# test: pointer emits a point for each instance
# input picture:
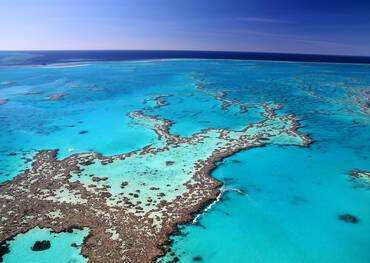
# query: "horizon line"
(187, 50)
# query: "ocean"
(280, 203)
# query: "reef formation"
(360, 178)
(132, 202)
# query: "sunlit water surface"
(294, 194)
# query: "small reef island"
(129, 204)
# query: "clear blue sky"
(293, 26)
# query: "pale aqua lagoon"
(64, 247)
(295, 195)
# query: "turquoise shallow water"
(64, 247)
(290, 213)
(295, 194)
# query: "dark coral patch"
(83, 132)
(74, 245)
(169, 163)
(124, 184)
(4, 249)
(41, 245)
(349, 218)
(197, 258)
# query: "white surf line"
(218, 199)
(236, 190)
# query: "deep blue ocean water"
(50, 57)
(295, 194)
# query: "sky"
(285, 26)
